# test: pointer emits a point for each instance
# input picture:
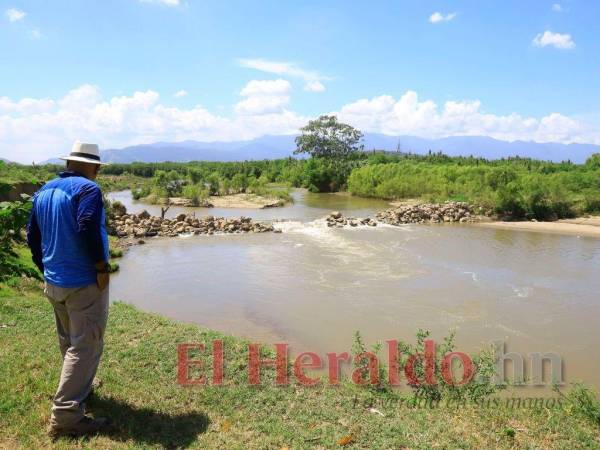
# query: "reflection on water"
(314, 286)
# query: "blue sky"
(109, 70)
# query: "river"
(313, 286)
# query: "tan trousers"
(81, 314)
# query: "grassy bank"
(139, 391)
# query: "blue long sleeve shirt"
(66, 231)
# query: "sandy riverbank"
(582, 226)
(244, 201)
(249, 201)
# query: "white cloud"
(264, 97)
(557, 7)
(438, 17)
(162, 2)
(14, 15)
(36, 34)
(82, 98)
(37, 129)
(556, 40)
(181, 93)
(25, 105)
(266, 87)
(409, 116)
(312, 79)
(314, 86)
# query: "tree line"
(513, 187)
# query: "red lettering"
(315, 363)
(428, 358)
(393, 376)
(218, 362)
(467, 365)
(280, 362)
(372, 368)
(184, 364)
(334, 369)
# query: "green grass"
(115, 252)
(139, 391)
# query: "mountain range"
(273, 147)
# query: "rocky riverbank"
(143, 225)
(336, 219)
(431, 213)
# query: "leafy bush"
(327, 175)
(593, 161)
(513, 188)
(582, 401)
(239, 182)
(11, 173)
(13, 218)
(479, 387)
(168, 184)
(141, 192)
(196, 193)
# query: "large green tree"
(325, 137)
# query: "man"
(68, 240)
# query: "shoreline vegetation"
(515, 193)
(513, 189)
(195, 188)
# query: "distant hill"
(266, 147)
(273, 147)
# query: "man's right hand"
(102, 280)
(103, 275)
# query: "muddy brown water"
(313, 286)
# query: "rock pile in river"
(145, 225)
(336, 219)
(428, 212)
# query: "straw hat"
(87, 153)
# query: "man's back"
(68, 242)
(69, 214)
